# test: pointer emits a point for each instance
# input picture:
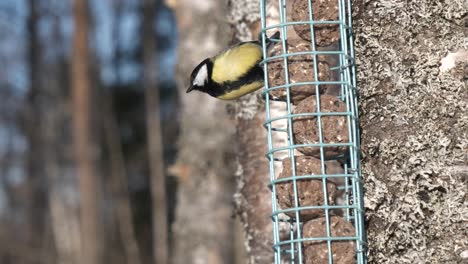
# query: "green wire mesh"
(288, 235)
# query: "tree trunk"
(203, 229)
(118, 183)
(118, 7)
(414, 129)
(64, 213)
(155, 147)
(85, 146)
(61, 183)
(253, 196)
(34, 113)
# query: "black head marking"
(201, 75)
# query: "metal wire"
(289, 248)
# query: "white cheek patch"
(202, 76)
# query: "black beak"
(189, 89)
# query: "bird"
(233, 72)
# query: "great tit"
(232, 73)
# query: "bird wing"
(236, 62)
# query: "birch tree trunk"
(414, 128)
(85, 147)
(203, 228)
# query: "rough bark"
(253, 198)
(155, 147)
(203, 229)
(85, 147)
(414, 129)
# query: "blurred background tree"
(89, 136)
(103, 159)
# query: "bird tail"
(272, 40)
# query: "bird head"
(199, 77)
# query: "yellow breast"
(244, 89)
(235, 62)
